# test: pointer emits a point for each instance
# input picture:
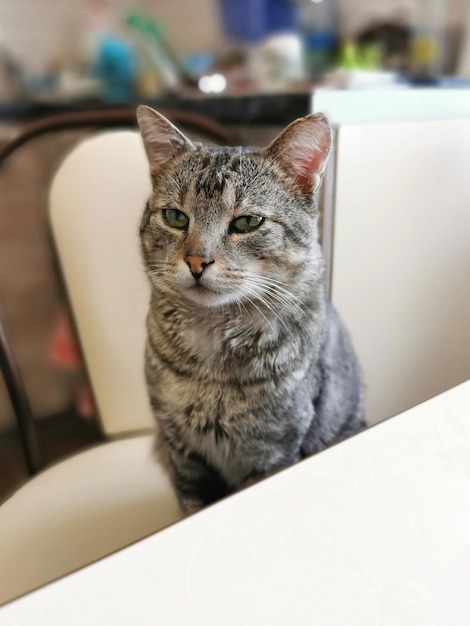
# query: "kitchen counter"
(259, 109)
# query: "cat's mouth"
(206, 296)
(202, 289)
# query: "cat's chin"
(207, 298)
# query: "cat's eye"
(246, 223)
(175, 218)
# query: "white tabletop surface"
(373, 531)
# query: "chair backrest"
(97, 198)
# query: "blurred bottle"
(157, 53)
(318, 24)
(98, 24)
(428, 40)
(108, 55)
(252, 21)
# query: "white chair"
(115, 493)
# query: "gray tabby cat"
(248, 368)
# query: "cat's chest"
(230, 445)
(221, 453)
(204, 342)
(210, 419)
(233, 349)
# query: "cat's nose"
(197, 264)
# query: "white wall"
(401, 257)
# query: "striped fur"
(248, 368)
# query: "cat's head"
(228, 224)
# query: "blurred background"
(59, 55)
(119, 49)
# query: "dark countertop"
(259, 109)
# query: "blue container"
(252, 20)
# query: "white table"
(373, 531)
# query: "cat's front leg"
(196, 482)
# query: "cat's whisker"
(295, 317)
(282, 297)
(161, 269)
(272, 309)
(240, 304)
(287, 297)
(295, 311)
(266, 278)
(276, 315)
(269, 324)
(256, 296)
(293, 307)
(160, 282)
(158, 262)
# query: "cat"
(248, 367)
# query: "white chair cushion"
(81, 510)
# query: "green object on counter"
(152, 36)
(356, 57)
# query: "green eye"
(175, 218)
(246, 223)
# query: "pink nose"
(197, 264)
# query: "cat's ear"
(302, 150)
(162, 140)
